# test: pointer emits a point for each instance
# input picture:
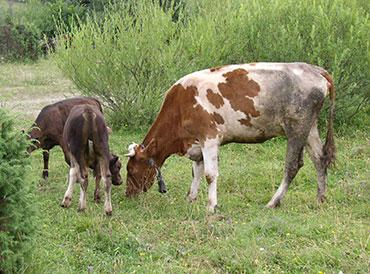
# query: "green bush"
(139, 50)
(29, 31)
(17, 201)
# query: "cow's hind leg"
(293, 162)
(83, 185)
(198, 172)
(97, 174)
(315, 150)
(210, 158)
(45, 172)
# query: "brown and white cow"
(247, 103)
(86, 137)
(47, 130)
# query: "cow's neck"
(165, 131)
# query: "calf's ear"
(113, 160)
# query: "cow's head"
(141, 168)
(115, 168)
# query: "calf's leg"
(97, 175)
(210, 158)
(72, 178)
(107, 180)
(45, 172)
(315, 150)
(198, 172)
(83, 185)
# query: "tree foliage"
(17, 202)
(134, 55)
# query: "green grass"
(164, 233)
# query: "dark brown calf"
(47, 130)
(85, 135)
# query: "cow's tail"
(329, 147)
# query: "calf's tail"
(329, 147)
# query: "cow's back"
(85, 124)
(52, 118)
(249, 102)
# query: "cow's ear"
(150, 149)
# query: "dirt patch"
(26, 88)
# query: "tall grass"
(133, 56)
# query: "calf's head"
(141, 169)
(36, 139)
(115, 167)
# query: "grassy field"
(164, 233)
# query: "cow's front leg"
(198, 172)
(210, 158)
(107, 180)
(45, 172)
(108, 188)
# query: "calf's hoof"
(45, 174)
(81, 209)
(190, 198)
(97, 198)
(66, 202)
(211, 209)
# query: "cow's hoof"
(163, 190)
(66, 202)
(321, 199)
(191, 199)
(273, 204)
(108, 213)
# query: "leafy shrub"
(17, 202)
(30, 31)
(138, 51)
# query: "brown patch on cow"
(252, 64)
(208, 179)
(246, 122)
(186, 121)
(218, 118)
(237, 89)
(216, 68)
(215, 98)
